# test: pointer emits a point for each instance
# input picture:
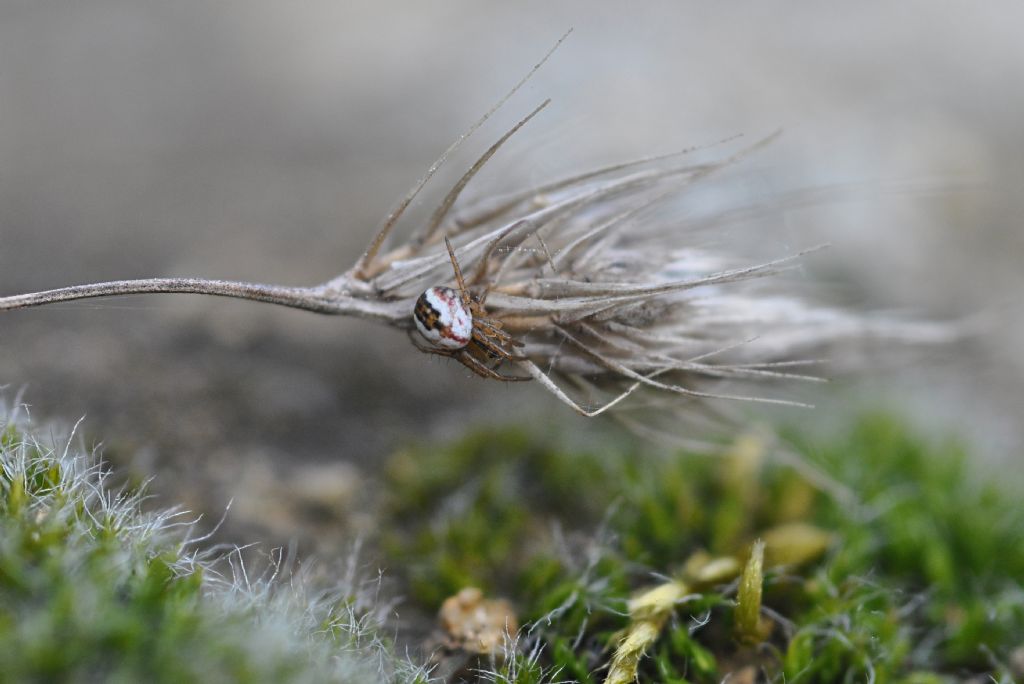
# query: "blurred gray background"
(264, 141)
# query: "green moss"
(919, 581)
(922, 579)
(928, 526)
(94, 589)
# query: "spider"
(457, 326)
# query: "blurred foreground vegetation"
(615, 562)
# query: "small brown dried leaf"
(476, 624)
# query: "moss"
(607, 553)
(918, 580)
(94, 589)
(929, 531)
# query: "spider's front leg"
(493, 329)
(466, 358)
(496, 348)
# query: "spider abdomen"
(443, 318)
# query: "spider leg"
(464, 357)
(463, 292)
(489, 345)
(492, 326)
(480, 315)
(481, 369)
(492, 329)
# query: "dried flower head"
(585, 284)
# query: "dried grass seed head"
(591, 288)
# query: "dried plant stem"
(319, 299)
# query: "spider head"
(443, 318)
